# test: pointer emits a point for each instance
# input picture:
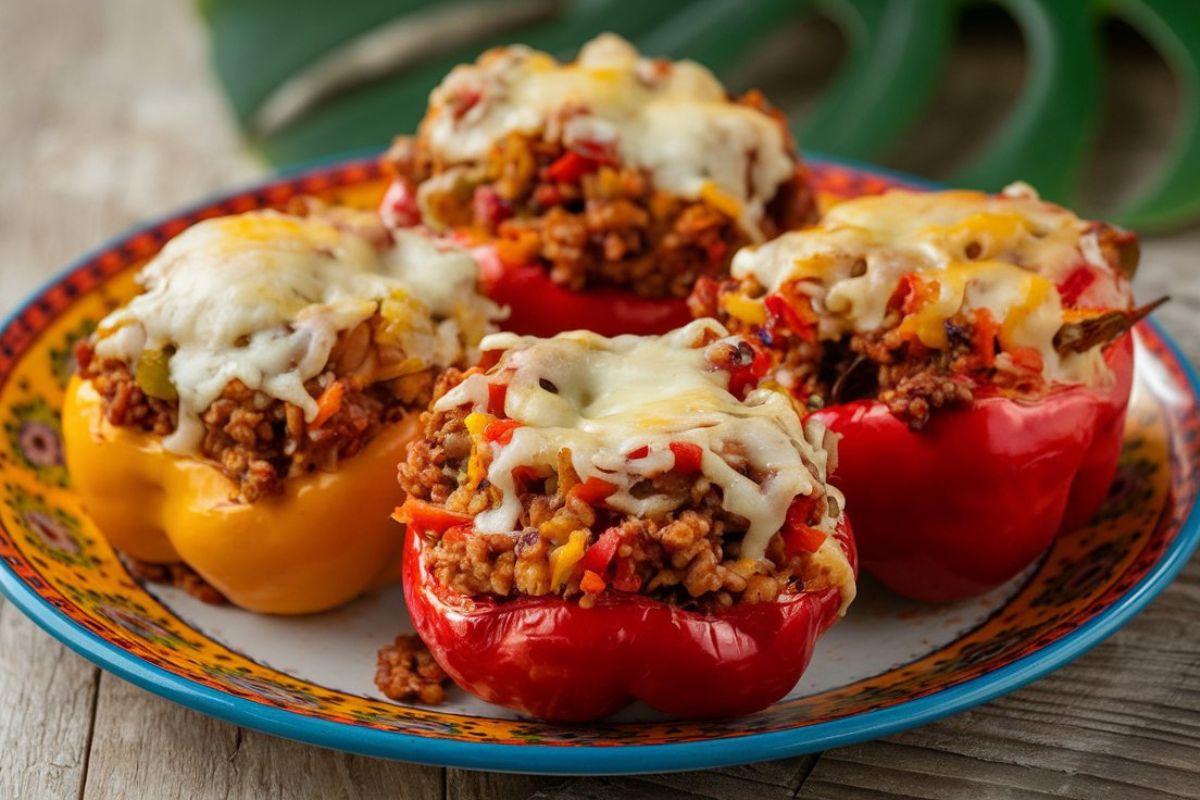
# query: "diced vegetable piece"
(1075, 284)
(743, 378)
(802, 539)
(798, 534)
(688, 457)
(593, 491)
(571, 167)
(749, 311)
(329, 403)
(497, 393)
(564, 558)
(592, 583)
(427, 517)
(986, 331)
(500, 430)
(477, 422)
(783, 311)
(153, 375)
(600, 554)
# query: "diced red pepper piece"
(570, 167)
(427, 517)
(798, 534)
(912, 293)
(464, 100)
(600, 554)
(627, 578)
(593, 491)
(1075, 284)
(591, 583)
(584, 157)
(742, 379)
(986, 331)
(802, 539)
(688, 457)
(801, 511)
(497, 393)
(500, 430)
(639, 452)
(782, 310)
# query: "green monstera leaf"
(312, 78)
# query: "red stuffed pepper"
(595, 521)
(972, 350)
(601, 188)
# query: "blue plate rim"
(592, 759)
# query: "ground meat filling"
(259, 441)
(589, 219)
(913, 381)
(179, 575)
(405, 671)
(689, 557)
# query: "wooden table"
(107, 115)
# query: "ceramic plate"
(889, 665)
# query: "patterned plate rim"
(594, 759)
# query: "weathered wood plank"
(47, 695)
(641, 788)
(1122, 722)
(462, 784)
(770, 780)
(146, 746)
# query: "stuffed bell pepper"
(974, 353)
(227, 426)
(594, 521)
(597, 191)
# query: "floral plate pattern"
(58, 568)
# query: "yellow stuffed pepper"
(234, 429)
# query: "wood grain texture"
(1122, 722)
(107, 116)
(464, 784)
(769, 780)
(170, 752)
(47, 697)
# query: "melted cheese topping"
(615, 396)
(673, 119)
(1003, 253)
(261, 297)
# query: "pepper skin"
(552, 659)
(963, 505)
(540, 307)
(325, 539)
